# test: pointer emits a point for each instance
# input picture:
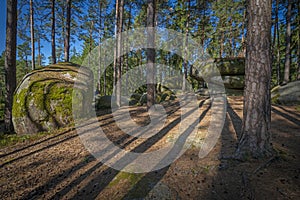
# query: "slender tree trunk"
(203, 24)
(68, 31)
(243, 52)
(256, 133)
(185, 63)
(32, 35)
(63, 32)
(90, 42)
(53, 32)
(298, 51)
(116, 48)
(119, 51)
(150, 54)
(278, 55)
(39, 51)
(10, 61)
(276, 36)
(221, 40)
(287, 64)
(99, 67)
(104, 73)
(127, 48)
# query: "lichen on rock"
(43, 99)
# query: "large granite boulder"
(232, 71)
(286, 94)
(43, 99)
(234, 82)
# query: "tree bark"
(116, 48)
(298, 51)
(243, 49)
(256, 133)
(287, 64)
(119, 52)
(185, 63)
(68, 31)
(53, 45)
(39, 61)
(10, 61)
(32, 35)
(127, 49)
(276, 36)
(99, 67)
(150, 54)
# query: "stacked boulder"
(232, 71)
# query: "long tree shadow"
(36, 143)
(236, 120)
(69, 172)
(256, 178)
(142, 188)
(52, 144)
(229, 183)
(288, 117)
(98, 183)
(288, 111)
(105, 177)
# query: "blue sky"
(2, 24)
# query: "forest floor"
(58, 166)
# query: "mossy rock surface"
(43, 99)
(231, 66)
(234, 82)
(288, 94)
(232, 71)
(103, 101)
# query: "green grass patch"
(12, 139)
(132, 178)
(298, 108)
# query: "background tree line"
(219, 26)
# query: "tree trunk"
(90, 42)
(68, 31)
(276, 36)
(99, 67)
(39, 61)
(53, 32)
(10, 61)
(116, 49)
(256, 135)
(104, 74)
(287, 63)
(298, 51)
(243, 49)
(185, 63)
(221, 40)
(203, 25)
(32, 35)
(127, 49)
(150, 54)
(119, 58)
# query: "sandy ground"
(59, 166)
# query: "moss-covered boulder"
(234, 82)
(232, 71)
(231, 66)
(104, 102)
(286, 94)
(43, 99)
